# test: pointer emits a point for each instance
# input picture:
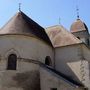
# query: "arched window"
(12, 62)
(48, 61)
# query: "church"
(37, 58)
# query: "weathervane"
(77, 9)
(19, 6)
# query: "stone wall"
(75, 60)
(50, 80)
(26, 76)
(86, 55)
(68, 59)
(22, 78)
(24, 47)
(83, 35)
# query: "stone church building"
(37, 58)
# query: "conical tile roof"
(22, 24)
(78, 25)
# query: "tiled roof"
(22, 24)
(59, 36)
(78, 25)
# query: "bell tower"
(80, 30)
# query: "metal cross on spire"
(77, 9)
(19, 6)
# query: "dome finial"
(19, 6)
(59, 20)
(77, 9)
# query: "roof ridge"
(53, 26)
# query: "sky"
(47, 12)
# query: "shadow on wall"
(28, 80)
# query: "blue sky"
(47, 12)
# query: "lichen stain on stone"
(28, 80)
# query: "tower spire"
(77, 9)
(59, 20)
(19, 6)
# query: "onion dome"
(77, 26)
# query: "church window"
(48, 60)
(53, 88)
(12, 62)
